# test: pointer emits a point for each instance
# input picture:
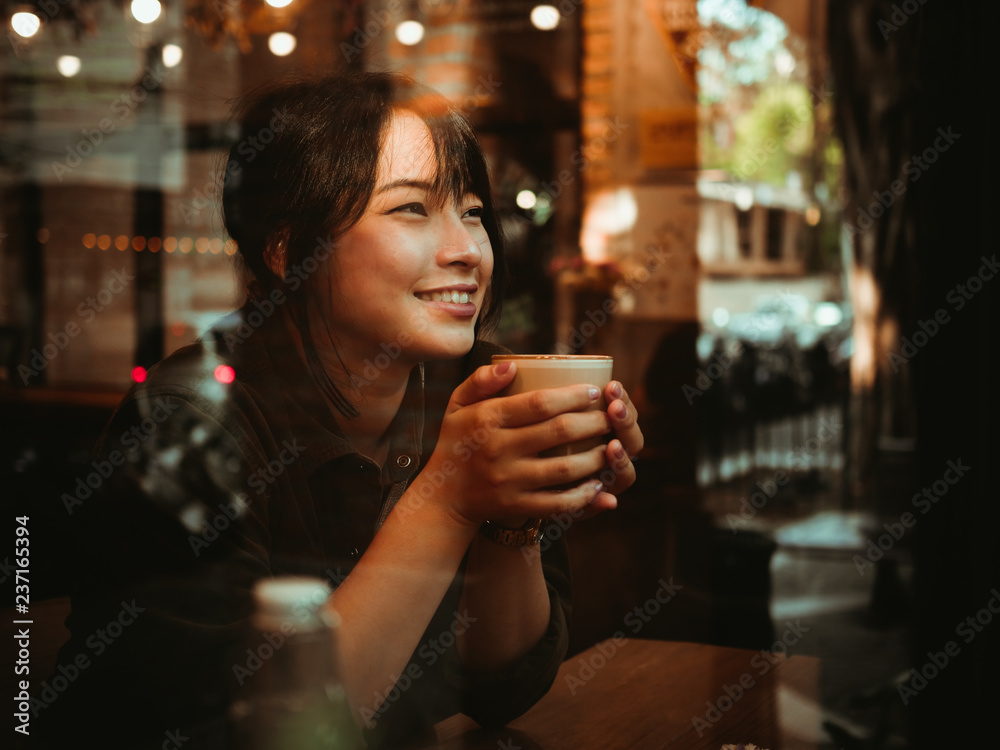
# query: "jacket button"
(403, 461)
(354, 553)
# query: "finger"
(483, 383)
(560, 430)
(574, 500)
(537, 406)
(558, 471)
(620, 472)
(624, 417)
(603, 501)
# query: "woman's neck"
(377, 396)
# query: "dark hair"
(303, 169)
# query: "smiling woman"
(337, 444)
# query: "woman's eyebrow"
(407, 183)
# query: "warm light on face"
(25, 24)
(410, 32)
(146, 11)
(545, 17)
(281, 43)
(172, 55)
(68, 65)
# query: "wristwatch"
(528, 535)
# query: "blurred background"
(771, 213)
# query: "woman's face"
(409, 279)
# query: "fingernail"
(598, 486)
(619, 453)
(502, 368)
(594, 393)
(616, 389)
(621, 412)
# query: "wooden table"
(637, 694)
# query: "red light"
(138, 374)
(225, 374)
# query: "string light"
(410, 33)
(545, 17)
(146, 11)
(281, 43)
(172, 55)
(68, 65)
(25, 23)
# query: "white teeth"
(453, 297)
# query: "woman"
(360, 438)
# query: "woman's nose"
(458, 244)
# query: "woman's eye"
(474, 213)
(410, 208)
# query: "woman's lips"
(456, 301)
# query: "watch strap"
(528, 535)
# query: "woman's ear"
(276, 252)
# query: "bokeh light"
(545, 17)
(225, 374)
(146, 11)
(410, 32)
(281, 43)
(25, 24)
(172, 55)
(526, 199)
(68, 65)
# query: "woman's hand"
(620, 472)
(486, 462)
